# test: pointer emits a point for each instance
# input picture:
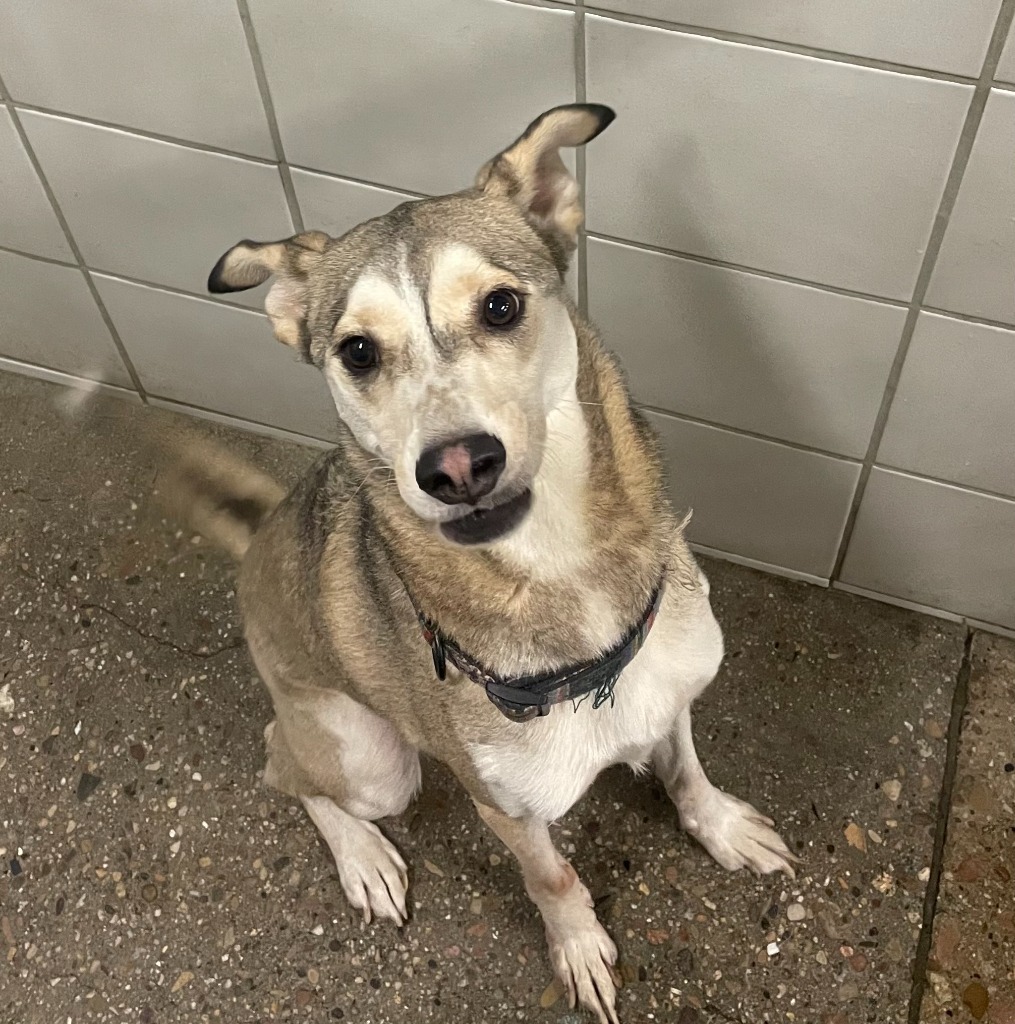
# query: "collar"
(521, 698)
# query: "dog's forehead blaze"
(376, 305)
(459, 276)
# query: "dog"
(486, 569)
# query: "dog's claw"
(373, 876)
(582, 961)
(734, 833)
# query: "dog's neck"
(580, 568)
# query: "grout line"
(269, 112)
(407, 193)
(782, 571)
(581, 163)
(226, 419)
(31, 370)
(782, 46)
(39, 259)
(991, 628)
(744, 432)
(75, 249)
(144, 133)
(216, 300)
(203, 147)
(761, 42)
(934, 612)
(969, 318)
(772, 275)
(959, 701)
(951, 190)
(883, 597)
(551, 5)
(970, 488)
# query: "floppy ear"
(531, 173)
(248, 264)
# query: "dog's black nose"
(462, 471)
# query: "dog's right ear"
(248, 264)
(532, 175)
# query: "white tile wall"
(729, 482)
(470, 76)
(891, 30)
(823, 171)
(953, 414)
(45, 302)
(1006, 66)
(179, 68)
(758, 216)
(767, 356)
(336, 205)
(154, 210)
(206, 354)
(29, 222)
(975, 271)
(937, 545)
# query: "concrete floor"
(148, 877)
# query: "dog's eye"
(501, 308)
(358, 354)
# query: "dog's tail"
(220, 495)
(199, 482)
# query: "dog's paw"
(372, 873)
(734, 833)
(582, 959)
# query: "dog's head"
(443, 328)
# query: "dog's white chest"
(543, 767)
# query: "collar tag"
(436, 643)
(439, 658)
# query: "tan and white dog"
(495, 513)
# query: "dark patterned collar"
(521, 698)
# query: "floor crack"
(231, 645)
(960, 700)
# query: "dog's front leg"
(733, 832)
(581, 951)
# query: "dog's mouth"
(484, 525)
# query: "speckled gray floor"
(148, 877)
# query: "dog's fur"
(327, 571)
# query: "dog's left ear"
(248, 264)
(531, 173)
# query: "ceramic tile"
(1006, 66)
(470, 77)
(28, 221)
(975, 270)
(756, 498)
(891, 30)
(781, 359)
(209, 355)
(48, 316)
(155, 210)
(814, 169)
(953, 415)
(180, 68)
(935, 544)
(335, 205)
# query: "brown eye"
(358, 354)
(502, 308)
